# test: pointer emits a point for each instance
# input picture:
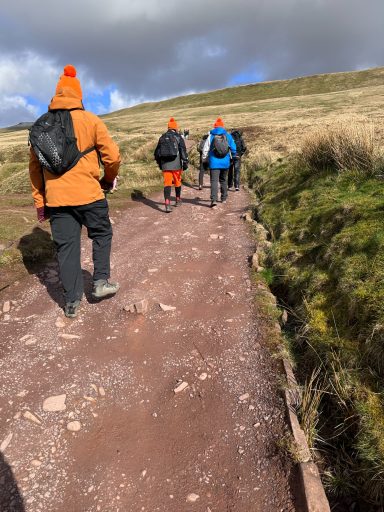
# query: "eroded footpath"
(174, 409)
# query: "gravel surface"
(163, 398)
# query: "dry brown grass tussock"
(343, 146)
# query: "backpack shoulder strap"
(71, 131)
(89, 150)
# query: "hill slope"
(302, 86)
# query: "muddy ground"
(136, 444)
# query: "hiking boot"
(103, 288)
(213, 204)
(178, 202)
(71, 309)
(200, 187)
(167, 208)
(237, 189)
(223, 201)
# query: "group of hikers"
(220, 154)
(69, 138)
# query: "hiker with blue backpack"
(67, 145)
(218, 150)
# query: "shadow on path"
(189, 185)
(38, 253)
(11, 499)
(138, 196)
(37, 248)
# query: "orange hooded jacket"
(80, 185)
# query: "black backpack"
(53, 140)
(238, 140)
(220, 146)
(168, 146)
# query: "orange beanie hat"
(219, 123)
(172, 124)
(68, 79)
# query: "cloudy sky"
(129, 51)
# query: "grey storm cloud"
(153, 49)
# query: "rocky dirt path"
(171, 410)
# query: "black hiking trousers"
(234, 173)
(66, 223)
(204, 167)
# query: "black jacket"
(239, 141)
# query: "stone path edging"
(313, 491)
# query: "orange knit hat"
(219, 123)
(172, 124)
(68, 79)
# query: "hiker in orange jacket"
(172, 158)
(77, 198)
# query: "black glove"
(105, 185)
(184, 165)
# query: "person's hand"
(105, 185)
(41, 214)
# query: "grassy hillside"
(303, 86)
(326, 265)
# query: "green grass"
(327, 265)
(316, 84)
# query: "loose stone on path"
(4, 445)
(69, 336)
(192, 498)
(181, 387)
(74, 426)
(140, 307)
(31, 417)
(164, 307)
(60, 323)
(28, 339)
(55, 403)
